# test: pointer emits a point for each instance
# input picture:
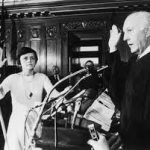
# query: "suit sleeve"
(118, 74)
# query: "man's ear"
(147, 30)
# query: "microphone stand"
(60, 102)
(76, 109)
(84, 77)
(102, 68)
(67, 77)
(3, 128)
(44, 103)
(48, 96)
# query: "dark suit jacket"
(130, 88)
(59, 87)
(53, 80)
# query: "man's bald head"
(137, 31)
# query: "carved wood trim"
(35, 33)
(84, 25)
(66, 7)
(51, 31)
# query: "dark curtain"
(13, 41)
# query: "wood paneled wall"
(39, 34)
(49, 37)
(44, 26)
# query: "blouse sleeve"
(5, 86)
(48, 87)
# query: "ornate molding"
(84, 25)
(20, 34)
(51, 31)
(7, 35)
(35, 33)
(69, 7)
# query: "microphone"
(67, 102)
(60, 94)
(74, 98)
(90, 69)
(84, 70)
(102, 68)
(68, 77)
(45, 101)
(76, 109)
(35, 125)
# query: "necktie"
(57, 77)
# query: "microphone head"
(88, 98)
(90, 93)
(89, 68)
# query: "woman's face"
(28, 61)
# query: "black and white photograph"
(74, 74)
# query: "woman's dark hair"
(25, 50)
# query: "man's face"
(89, 64)
(134, 34)
(55, 70)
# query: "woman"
(26, 88)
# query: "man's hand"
(114, 38)
(2, 61)
(101, 144)
(115, 142)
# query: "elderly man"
(55, 77)
(130, 83)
